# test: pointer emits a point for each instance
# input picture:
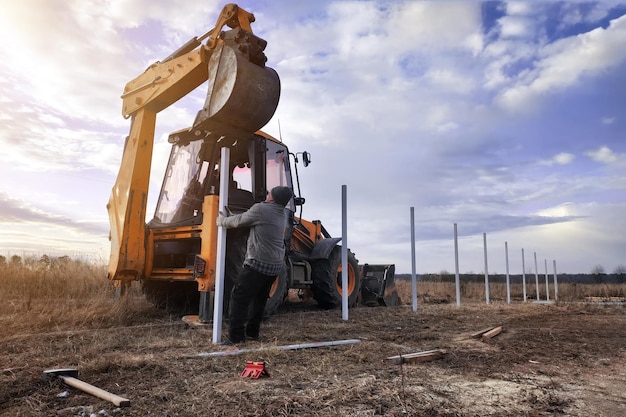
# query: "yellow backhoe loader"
(174, 254)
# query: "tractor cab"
(257, 164)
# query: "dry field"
(565, 359)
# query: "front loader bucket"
(378, 286)
(242, 95)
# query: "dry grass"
(44, 295)
(565, 359)
(48, 278)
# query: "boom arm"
(228, 108)
(164, 83)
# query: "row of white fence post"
(508, 281)
(457, 280)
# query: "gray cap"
(281, 195)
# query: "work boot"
(229, 342)
(252, 333)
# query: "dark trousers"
(247, 304)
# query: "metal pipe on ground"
(283, 347)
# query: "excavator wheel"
(236, 242)
(277, 295)
(327, 279)
(173, 297)
(235, 255)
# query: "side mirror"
(298, 201)
(306, 158)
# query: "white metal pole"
(456, 263)
(344, 252)
(220, 264)
(486, 269)
(508, 280)
(545, 261)
(556, 283)
(536, 276)
(413, 268)
(523, 275)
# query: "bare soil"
(565, 360)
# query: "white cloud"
(563, 63)
(608, 120)
(572, 13)
(569, 243)
(562, 158)
(604, 155)
(450, 80)
(78, 90)
(561, 210)
(513, 27)
(519, 8)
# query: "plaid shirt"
(264, 268)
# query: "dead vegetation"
(566, 359)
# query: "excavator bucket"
(378, 287)
(242, 92)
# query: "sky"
(504, 118)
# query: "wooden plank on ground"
(491, 333)
(481, 332)
(425, 356)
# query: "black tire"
(277, 295)
(236, 245)
(327, 276)
(174, 297)
(155, 292)
(235, 255)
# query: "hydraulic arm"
(242, 96)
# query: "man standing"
(265, 258)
